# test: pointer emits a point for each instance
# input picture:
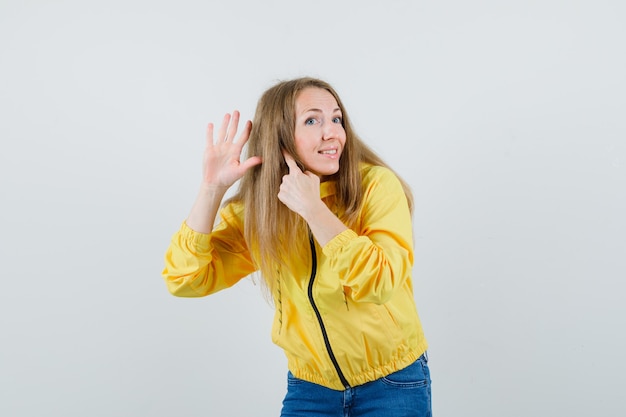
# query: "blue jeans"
(405, 393)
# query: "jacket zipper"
(329, 349)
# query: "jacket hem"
(369, 375)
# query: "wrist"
(315, 211)
(213, 190)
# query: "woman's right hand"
(221, 165)
(221, 168)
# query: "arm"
(199, 264)
(300, 191)
(197, 254)
(221, 169)
(373, 261)
(376, 259)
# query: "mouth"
(328, 152)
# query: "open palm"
(222, 165)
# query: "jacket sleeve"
(199, 264)
(376, 259)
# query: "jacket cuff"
(339, 241)
(197, 240)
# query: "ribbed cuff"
(339, 241)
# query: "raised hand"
(222, 165)
(221, 168)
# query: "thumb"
(250, 162)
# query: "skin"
(319, 134)
(318, 130)
(221, 168)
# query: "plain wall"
(507, 119)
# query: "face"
(319, 133)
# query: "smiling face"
(319, 133)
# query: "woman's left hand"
(300, 191)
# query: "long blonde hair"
(276, 235)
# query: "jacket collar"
(327, 188)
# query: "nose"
(330, 130)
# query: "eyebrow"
(316, 110)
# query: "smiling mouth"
(329, 152)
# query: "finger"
(250, 162)
(232, 127)
(209, 135)
(291, 163)
(221, 134)
(245, 134)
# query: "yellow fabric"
(363, 287)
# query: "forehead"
(314, 98)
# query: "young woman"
(328, 225)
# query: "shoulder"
(233, 212)
(376, 175)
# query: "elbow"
(183, 292)
(381, 288)
(378, 299)
(178, 291)
(181, 287)
(376, 294)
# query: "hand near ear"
(221, 168)
(222, 165)
(300, 191)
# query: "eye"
(337, 119)
(310, 122)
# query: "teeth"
(329, 152)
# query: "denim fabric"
(405, 393)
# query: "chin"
(327, 172)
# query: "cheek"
(343, 139)
(304, 142)
(302, 147)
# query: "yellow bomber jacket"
(344, 316)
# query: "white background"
(506, 117)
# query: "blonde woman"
(328, 225)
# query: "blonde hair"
(275, 235)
